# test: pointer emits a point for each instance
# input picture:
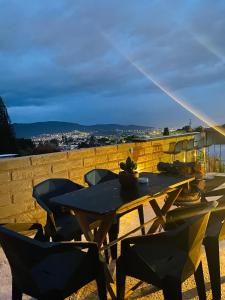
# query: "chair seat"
(159, 261)
(54, 272)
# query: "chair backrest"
(189, 145)
(179, 146)
(51, 188)
(189, 240)
(22, 253)
(175, 147)
(190, 235)
(97, 176)
(185, 240)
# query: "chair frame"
(171, 286)
(41, 250)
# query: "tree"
(7, 135)
(166, 131)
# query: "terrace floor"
(145, 291)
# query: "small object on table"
(143, 180)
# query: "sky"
(69, 60)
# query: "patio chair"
(215, 232)
(97, 176)
(165, 259)
(50, 271)
(174, 149)
(61, 225)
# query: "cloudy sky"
(69, 60)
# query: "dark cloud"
(63, 56)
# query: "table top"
(108, 197)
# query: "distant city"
(76, 139)
(79, 139)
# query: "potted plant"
(129, 176)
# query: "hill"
(27, 130)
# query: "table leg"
(82, 219)
(99, 237)
(161, 212)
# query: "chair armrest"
(44, 206)
(69, 246)
(183, 213)
(48, 210)
(24, 227)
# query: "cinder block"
(148, 150)
(101, 159)
(11, 210)
(15, 186)
(81, 153)
(90, 161)
(102, 166)
(79, 180)
(7, 220)
(128, 147)
(138, 152)
(21, 197)
(36, 215)
(142, 158)
(14, 163)
(32, 172)
(106, 149)
(79, 172)
(62, 166)
(5, 199)
(5, 176)
(48, 158)
(62, 174)
(113, 165)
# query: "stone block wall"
(19, 175)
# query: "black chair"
(50, 271)
(61, 224)
(165, 259)
(215, 232)
(174, 149)
(97, 176)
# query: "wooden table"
(107, 200)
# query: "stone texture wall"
(19, 175)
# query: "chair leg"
(16, 293)
(172, 289)
(213, 259)
(200, 284)
(113, 234)
(106, 252)
(141, 218)
(120, 282)
(101, 283)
